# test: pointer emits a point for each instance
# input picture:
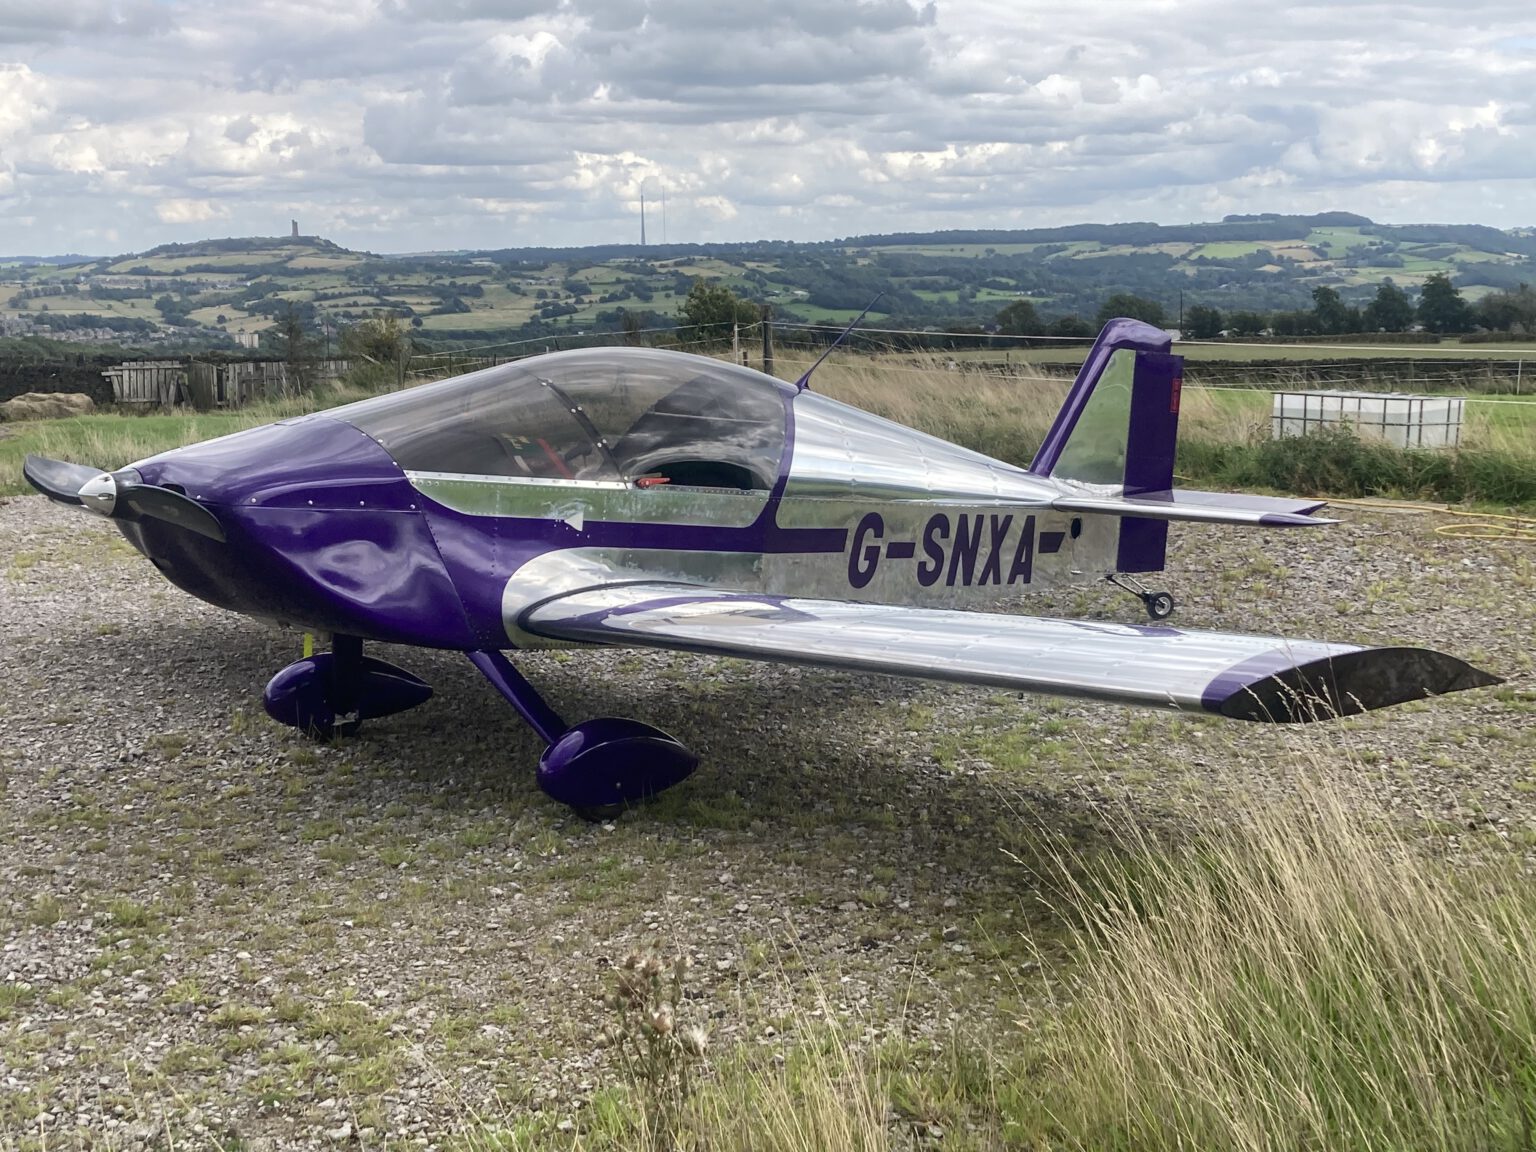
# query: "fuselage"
(334, 525)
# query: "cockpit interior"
(642, 417)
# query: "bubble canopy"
(600, 414)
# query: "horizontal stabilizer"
(1200, 507)
(1243, 677)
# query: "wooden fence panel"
(202, 385)
(147, 382)
(232, 385)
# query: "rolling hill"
(228, 291)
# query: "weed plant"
(658, 1054)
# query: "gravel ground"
(214, 928)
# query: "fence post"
(735, 343)
(767, 315)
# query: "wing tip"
(1343, 685)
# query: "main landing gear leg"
(332, 693)
(1158, 603)
(598, 766)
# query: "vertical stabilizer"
(1117, 432)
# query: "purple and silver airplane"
(630, 496)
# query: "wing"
(1243, 677)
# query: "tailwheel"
(1158, 603)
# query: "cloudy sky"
(401, 125)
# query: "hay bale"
(47, 406)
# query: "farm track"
(210, 926)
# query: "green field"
(137, 309)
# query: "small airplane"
(639, 497)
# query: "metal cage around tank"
(1402, 420)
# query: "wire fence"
(796, 346)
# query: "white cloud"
(409, 124)
(189, 211)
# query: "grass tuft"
(1298, 978)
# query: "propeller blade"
(119, 495)
(58, 479)
(137, 500)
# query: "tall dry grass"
(1303, 977)
(1005, 417)
(1223, 434)
(827, 1096)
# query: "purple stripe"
(597, 619)
(1286, 520)
(1241, 677)
(1117, 334)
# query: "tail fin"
(1116, 434)
(1112, 447)
(1120, 422)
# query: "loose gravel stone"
(215, 928)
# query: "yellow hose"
(1489, 526)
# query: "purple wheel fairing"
(302, 694)
(611, 760)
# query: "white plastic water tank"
(1399, 419)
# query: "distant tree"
(378, 340)
(712, 309)
(1072, 326)
(290, 340)
(630, 322)
(1293, 324)
(1441, 308)
(1202, 322)
(1391, 311)
(1330, 315)
(1136, 307)
(1020, 319)
(1247, 323)
(1510, 311)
